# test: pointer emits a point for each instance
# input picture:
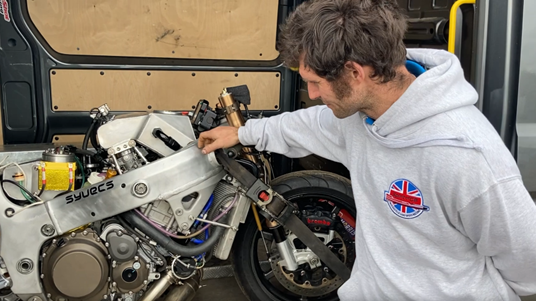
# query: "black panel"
(17, 76)
(18, 106)
(501, 80)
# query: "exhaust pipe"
(186, 291)
(181, 290)
(159, 288)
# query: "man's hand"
(220, 137)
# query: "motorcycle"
(139, 214)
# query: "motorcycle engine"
(82, 265)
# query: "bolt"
(109, 256)
(184, 226)
(326, 269)
(302, 273)
(44, 255)
(118, 149)
(105, 297)
(178, 212)
(42, 276)
(136, 257)
(234, 228)
(191, 217)
(137, 239)
(125, 146)
(114, 264)
(140, 188)
(10, 212)
(84, 233)
(119, 233)
(73, 234)
(131, 143)
(54, 241)
(148, 266)
(111, 151)
(49, 295)
(114, 284)
(48, 230)
(145, 282)
(107, 244)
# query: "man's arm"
(502, 223)
(297, 134)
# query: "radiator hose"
(166, 242)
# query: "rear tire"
(297, 187)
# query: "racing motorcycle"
(139, 214)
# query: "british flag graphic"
(405, 199)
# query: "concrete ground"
(226, 289)
(222, 289)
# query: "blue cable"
(205, 210)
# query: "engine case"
(75, 267)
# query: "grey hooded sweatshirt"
(442, 213)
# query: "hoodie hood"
(442, 88)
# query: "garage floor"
(223, 289)
(226, 289)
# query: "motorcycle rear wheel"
(253, 272)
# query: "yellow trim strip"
(452, 22)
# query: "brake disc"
(306, 282)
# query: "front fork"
(286, 251)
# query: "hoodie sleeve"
(502, 223)
(314, 130)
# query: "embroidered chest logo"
(405, 199)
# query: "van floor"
(221, 289)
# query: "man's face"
(342, 96)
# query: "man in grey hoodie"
(442, 213)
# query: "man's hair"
(331, 32)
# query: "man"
(442, 213)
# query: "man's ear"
(355, 71)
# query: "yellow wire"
(452, 22)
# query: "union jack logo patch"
(405, 199)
